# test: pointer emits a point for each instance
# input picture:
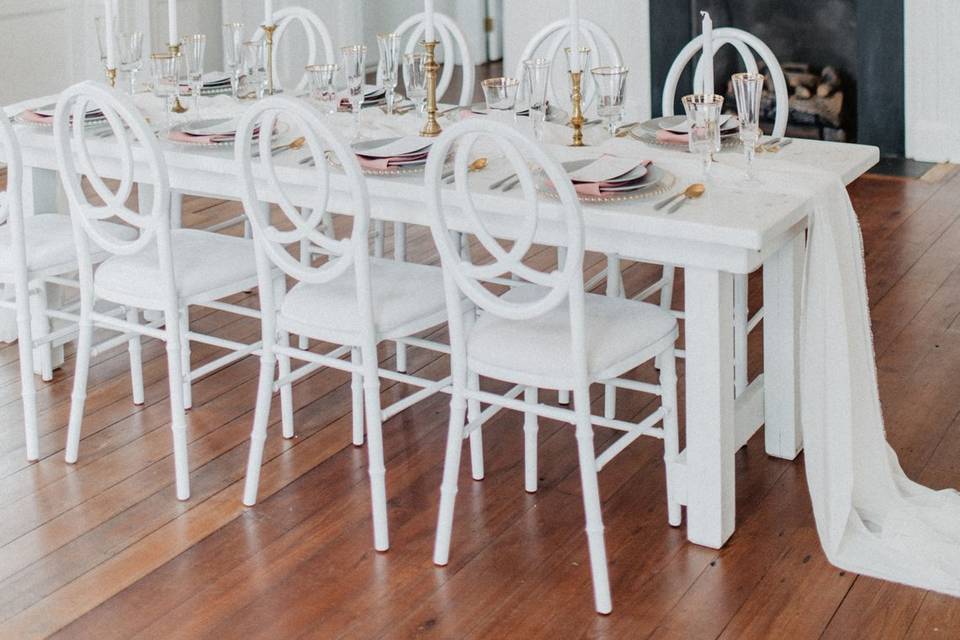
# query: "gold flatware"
(625, 129)
(477, 165)
(776, 148)
(692, 192)
(293, 145)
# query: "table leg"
(711, 429)
(782, 277)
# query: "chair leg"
(740, 333)
(356, 387)
(476, 436)
(176, 210)
(41, 328)
(530, 428)
(666, 296)
(28, 386)
(379, 231)
(591, 501)
(286, 391)
(303, 342)
(136, 358)
(376, 469)
(185, 357)
(79, 396)
(178, 415)
(258, 435)
(451, 472)
(614, 290)
(671, 436)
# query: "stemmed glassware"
(101, 24)
(389, 45)
(415, 78)
(354, 68)
(748, 89)
(323, 85)
(233, 54)
(703, 116)
(255, 66)
(536, 76)
(611, 85)
(165, 69)
(501, 97)
(194, 49)
(130, 51)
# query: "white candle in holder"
(430, 31)
(172, 19)
(575, 31)
(268, 12)
(109, 20)
(707, 53)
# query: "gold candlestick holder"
(432, 127)
(112, 77)
(576, 118)
(178, 107)
(268, 30)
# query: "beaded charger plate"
(647, 131)
(406, 170)
(657, 181)
(278, 131)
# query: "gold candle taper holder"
(112, 77)
(178, 107)
(432, 127)
(268, 30)
(576, 119)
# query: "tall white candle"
(268, 12)
(173, 35)
(575, 31)
(708, 87)
(430, 30)
(110, 18)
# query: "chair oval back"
(452, 42)
(549, 43)
(521, 153)
(745, 44)
(319, 41)
(11, 206)
(322, 143)
(139, 151)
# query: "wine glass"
(703, 116)
(415, 79)
(354, 68)
(748, 89)
(536, 76)
(323, 85)
(255, 66)
(611, 85)
(194, 49)
(233, 54)
(165, 69)
(501, 97)
(130, 52)
(389, 45)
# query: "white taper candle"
(109, 22)
(708, 87)
(430, 31)
(172, 33)
(575, 31)
(268, 12)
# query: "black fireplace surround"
(864, 38)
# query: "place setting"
(607, 179)
(392, 156)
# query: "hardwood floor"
(103, 549)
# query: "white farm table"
(732, 230)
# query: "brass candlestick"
(268, 30)
(577, 120)
(112, 77)
(432, 127)
(178, 107)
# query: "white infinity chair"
(545, 332)
(319, 43)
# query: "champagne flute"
(354, 68)
(415, 79)
(130, 46)
(233, 54)
(536, 77)
(703, 117)
(194, 50)
(748, 89)
(611, 85)
(165, 68)
(389, 45)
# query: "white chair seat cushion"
(50, 245)
(407, 298)
(620, 335)
(207, 266)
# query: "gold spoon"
(692, 192)
(477, 165)
(293, 145)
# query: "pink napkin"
(669, 137)
(382, 164)
(33, 116)
(596, 189)
(180, 136)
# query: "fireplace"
(858, 42)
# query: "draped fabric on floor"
(871, 518)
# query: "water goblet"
(194, 49)
(354, 68)
(255, 66)
(323, 85)
(536, 77)
(389, 45)
(703, 117)
(130, 52)
(233, 54)
(748, 89)
(501, 97)
(611, 83)
(165, 69)
(415, 79)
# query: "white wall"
(383, 16)
(932, 48)
(627, 21)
